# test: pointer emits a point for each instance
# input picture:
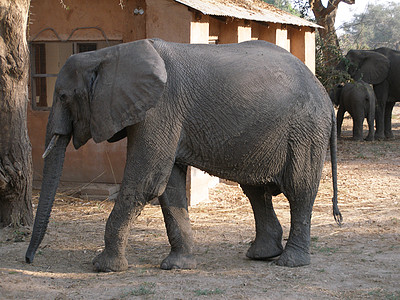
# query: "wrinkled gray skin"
(359, 100)
(249, 112)
(380, 67)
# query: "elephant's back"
(245, 107)
(254, 74)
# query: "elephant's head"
(369, 66)
(336, 93)
(97, 95)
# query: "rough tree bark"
(15, 148)
(325, 17)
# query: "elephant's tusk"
(51, 145)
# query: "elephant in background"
(249, 112)
(359, 100)
(380, 67)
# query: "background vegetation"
(285, 5)
(378, 26)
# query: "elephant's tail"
(333, 148)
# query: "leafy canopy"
(378, 27)
(285, 5)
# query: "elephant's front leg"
(381, 92)
(380, 124)
(116, 234)
(150, 158)
(175, 210)
(388, 120)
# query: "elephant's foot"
(262, 250)
(389, 136)
(108, 263)
(176, 260)
(358, 138)
(379, 137)
(369, 138)
(293, 257)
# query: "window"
(85, 47)
(47, 58)
(39, 51)
(213, 40)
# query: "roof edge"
(247, 10)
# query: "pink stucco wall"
(164, 19)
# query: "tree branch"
(321, 11)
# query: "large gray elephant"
(380, 67)
(357, 98)
(250, 113)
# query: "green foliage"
(146, 288)
(322, 249)
(378, 26)
(382, 294)
(217, 291)
(326, 71)
(303, 7)
(19, 236)
(328, 54)
(284, 5)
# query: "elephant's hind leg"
(174, 207)
(268, 241)
(297, 249)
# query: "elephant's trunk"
(52, 170)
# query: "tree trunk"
(325, 17)
(15, 148)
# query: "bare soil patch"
(359, 260)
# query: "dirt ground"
(359, 260)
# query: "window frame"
(33, 61)
(36, 40)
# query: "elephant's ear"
(373, 67)
(336, 94)
(129, 81)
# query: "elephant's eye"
(63, 97)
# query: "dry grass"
(360, 260)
